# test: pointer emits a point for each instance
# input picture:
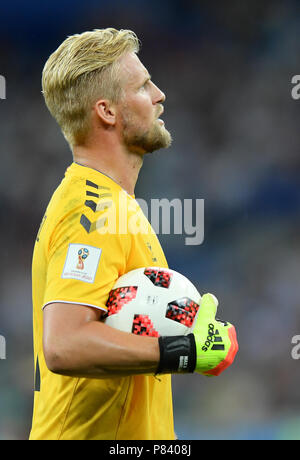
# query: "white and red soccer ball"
(153, 301)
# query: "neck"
(121, 166)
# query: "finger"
(208, 308)
(223, 323)
(234, 347)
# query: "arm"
(76, 343)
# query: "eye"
(147, 82)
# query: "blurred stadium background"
(226, 68)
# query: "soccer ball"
(153, 301)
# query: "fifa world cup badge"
(81, 262)
(83, 254)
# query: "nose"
(158, 95)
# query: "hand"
(216, 343)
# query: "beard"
(140, 141)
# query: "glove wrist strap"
(177, 354)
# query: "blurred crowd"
(226, 70)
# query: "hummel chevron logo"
(92, 184)
(92, 226)
(88, 225)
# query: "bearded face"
(141, 129)
(140, 138)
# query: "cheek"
(143, 106)
(138, 112)
(144, 111)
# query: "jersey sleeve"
(84, 262)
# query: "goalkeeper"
(92, 381)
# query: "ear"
(106, 112)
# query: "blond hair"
(83, 69)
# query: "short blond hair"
(83, 69)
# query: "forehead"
(132, 71)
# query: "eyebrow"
(148, 77)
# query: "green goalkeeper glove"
(209, 350)
(216, 343)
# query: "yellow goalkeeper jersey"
(92, 233)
